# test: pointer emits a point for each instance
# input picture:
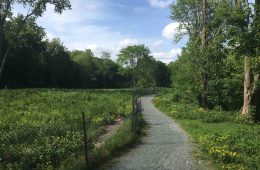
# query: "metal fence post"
(85, 140)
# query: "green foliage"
(210, 70)
(130, 55)
(236, 149)
(42, 129)
(228, 140)
(162, 75)
(144, 70)
(37, 7)
(37, 62)
(145, 73)
(191, 111)
(183, 78)
(135, 58)
(19, 68)
(113, 145)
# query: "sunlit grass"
(42, 128)
(219, 135)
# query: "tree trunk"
(247, 87)
(247, 74)
(204, 83)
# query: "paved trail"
(165, 147)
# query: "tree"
(256, 66)
(244, 39)
(146, 68)
(36, 9)
(194, 16)
(58, 65)
(206, 25)
(162, 75)
(24, 67)
(183, 77)
(221, 34)
(105, 55)
(108, 69)
(88, 66)
(129, 57)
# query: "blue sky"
(109, 25)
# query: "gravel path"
(165, 147)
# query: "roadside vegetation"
(229, 140)
(215, 86)
(215, 81)
(42, 128)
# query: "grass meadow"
(42, 128)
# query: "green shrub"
(238, 148)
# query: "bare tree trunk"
(247, 87)
(250, 85)
(247, 75)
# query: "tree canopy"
(35, 8)
(223, 36)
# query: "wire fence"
(12, 136)
(135, 116)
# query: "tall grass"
(42, 128)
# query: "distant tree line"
(36, 62)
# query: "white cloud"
(167, 57)
(113, 46)
(50, 35)
(77, 28)
(158, 43)
(126, 42)
(75, 17)
(160, 3)
(80, 28)
(171, 30)
(93, 47)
